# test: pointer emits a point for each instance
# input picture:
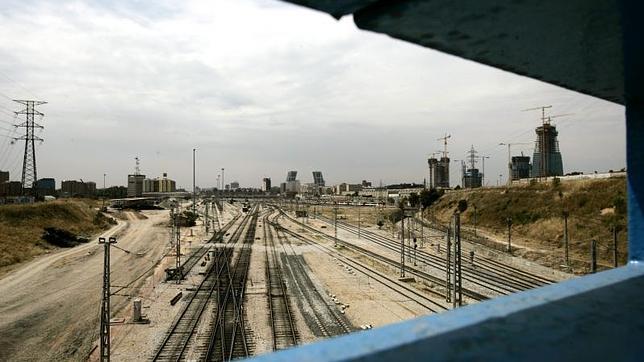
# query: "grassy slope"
(536, 212)
(21, 227)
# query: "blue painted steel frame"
(596, 317)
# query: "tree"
(462, 205)
(428, 197)
(395, 216)
(414, 199)
(619, 203)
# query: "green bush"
(462, 205)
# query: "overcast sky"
(261, 87)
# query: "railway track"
(498, 281)
(283, 328)
(323, 319)
(195, 256)
(177, 340)
(398, 287)
(219, 234)
(531, 278)
(394, 263)
(228, 334)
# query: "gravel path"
(50, 307)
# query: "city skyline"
(286, 89)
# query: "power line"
(9, 113)
(9, 152)
(6, 96)
(19, 84)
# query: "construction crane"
(543, 112)
(444, 139)
(549, 118)
(510, 157)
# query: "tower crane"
(444, 139)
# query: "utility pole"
(510, 235)
(178, 270)
(565, 215)
(457, 291)
(206, 221)
(475, 216)
(335, 226)
(29, 170)
(593, 256)
(615, 246)
(422, 227)
(483, 170)
(402, 245)
(105, 300)
(448, 266)
(194, 190)
(358, 221)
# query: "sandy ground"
(369, 301)
(50, 307)
(137, 342)
(433, 237)
(369, 217)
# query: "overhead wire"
(19, 85)
(6, 96)
(8, 151)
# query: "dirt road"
(49, 308)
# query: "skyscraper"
(438, 172)
(546, 160)
(318, 180)
(266, 184)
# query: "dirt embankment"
(22, 227)
(594, 207)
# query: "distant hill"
(22, 227)
(594, 207)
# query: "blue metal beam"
(598, 317)
(633, 47)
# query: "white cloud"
(260, 87)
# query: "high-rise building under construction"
(438, 172)
(546, 160)
(521, 167)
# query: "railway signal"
(415, 247)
